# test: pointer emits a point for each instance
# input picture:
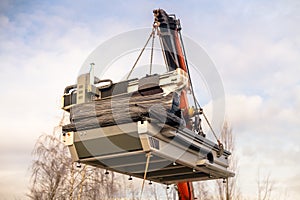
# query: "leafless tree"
(72, 180)
(264, 187)
(154, 192)
(48, 169)
(54, 175)
(202, 191)
(228, 189)
(100, 184)
(134, 192)
(170, 191)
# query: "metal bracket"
(68, 138)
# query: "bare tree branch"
(264, 187)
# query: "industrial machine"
(145, 127)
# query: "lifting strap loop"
(145, 173)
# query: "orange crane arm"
(172, 47)
(185, 189)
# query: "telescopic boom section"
(169, 28)
(172, 47)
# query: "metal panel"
(182, 157)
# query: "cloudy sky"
(255, 46)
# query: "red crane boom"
(172, 47)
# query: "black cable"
(193, 93)
(151, 55)
(188, 71)
(152, 33)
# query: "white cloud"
(266, 138)
(40, 55)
